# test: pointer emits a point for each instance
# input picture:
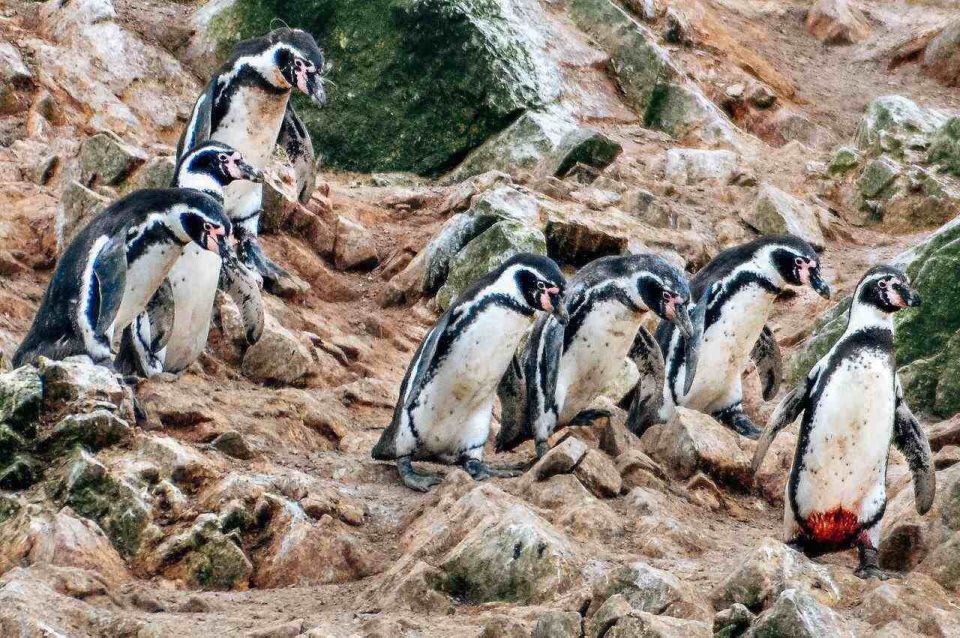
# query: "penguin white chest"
(251, 125)
(144, 275)
(843, 466)
(725, 349)
(595, 356)
(455, 407)
(194, 279)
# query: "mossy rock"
(920, 379)
(893, 123)
(487, 252)
(945, 147)
(20, 472)
(93, 492)
(218, 564)
(415, 84)
(21, 395)
(825, 333)
(878, 177)
(93, 431)
(9, 506)
(844, 160)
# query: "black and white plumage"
(735, 294)
(172, 333)
(852, 407)
(245, 105)
(447, 396)
(562, 368)
(113, 267)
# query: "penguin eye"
(223, 157)
(207, 226)
(883, 284)
(799, 261)
(667, 296)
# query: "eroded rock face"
(645, 589)
(689, 166)
(837, 22)
(797, 613)
(893, 123)
(941, 60)
(776, 212)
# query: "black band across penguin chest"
(720, 296)
(226, 95)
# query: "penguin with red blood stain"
(852, 407)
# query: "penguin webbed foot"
(588, 417)
(417, 481)
(480, 471)
(542, 448)
(869, 566)
(737, 420)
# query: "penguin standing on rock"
(208, 168)
(735, 294)
(563, 368)
(447, 396)
(113, 267)
(852, 407)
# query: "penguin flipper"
(766, 355)
(197, 129)
(294, 139)
(243, 286)
(410, 388)
(161, 310)
(110, 271)
(648, 393)
(786, 413)
(913, 444)
(512, 392)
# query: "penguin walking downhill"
(447, 396)
(852, 407)
(208, 168)
(113, 267)
(561, 368)
(735, 294)
(246, 105)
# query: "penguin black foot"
(251, 254)
(737, 420)
(480, 471)
(870, 565)
(418, 481)
(587, 417)
(542, 448)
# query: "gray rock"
(599, 474)
(158, 172)
(21, 395)
(607, 615)
(644, 625)
(542, 143)
(691, 165)
(844, 159)
(797, 614)
(486, 252)
(561, 459)
(893, 123)
(647, 589)
(775, 212)
(78, 205)
(77, 379)
(558, 624)
(878, 177)
(13, 72)
(94, 431)
(108, 160)
(354, 247)
(232, 443)
(516, 557)
(279, 357)
(945, 147)
(208, 559)
(733, 621)
(769, 570)
(506, 203)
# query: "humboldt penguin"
(561, 368)
(852, 408)
(114, 265)
(182, 306)
(447, 396)
(735, 293)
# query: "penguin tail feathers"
(385, 449)
(509, 437)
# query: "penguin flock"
(135, 289)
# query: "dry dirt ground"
(832, 86)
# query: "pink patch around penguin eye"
(545, 302)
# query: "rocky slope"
(247, 504)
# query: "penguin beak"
(680, 317)
(249, 173)
(216, 240)
(551, 300)
(818, 284)
(909, 298)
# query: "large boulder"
(893, 124)
(543, 143)
(776, 212)
(945, 147)
(280, 357)
(106, 159)
(516, 557)
(488, 251)
(692, 165)
(941, 60)
(797, 614)
(78, 205)
(837, 22)
(647, 589)
(21, 394)
(414, 84)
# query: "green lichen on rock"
(21, 394)
(487, 252)
(844, 160)
(93, 431)
(106, 159)
(9, 506)
(415, 84)
(93, 492)
(893, 123)
(878, 177)
(945, 147)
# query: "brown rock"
(558, 624)
(693, 442)
(944, 433)
(941, 60)
(410, 584)
(599, 474)
(946, 456)
(615, 439)
(837, 22)
(280, 630)
(279, 357)
(578, 241)
(561, 459)
(353, 247)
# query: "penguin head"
(207, 226)
(540, 283)
(213, 165)
(663, 289)
(798, 264)
(886, 288)
(300, 62)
